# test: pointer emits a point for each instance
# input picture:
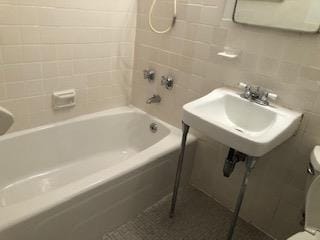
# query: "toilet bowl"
(312, 224)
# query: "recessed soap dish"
(64, 99)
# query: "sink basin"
(246, 126)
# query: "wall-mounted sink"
(245, 122)
(246, 126)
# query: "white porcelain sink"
(238, 123)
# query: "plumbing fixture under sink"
(232, 159)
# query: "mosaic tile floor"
(197, 217)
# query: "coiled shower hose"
(173, 19)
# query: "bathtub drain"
(153, 127)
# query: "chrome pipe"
(250, 162)
(185, 129)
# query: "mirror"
(295, 15)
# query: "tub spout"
(154, 99)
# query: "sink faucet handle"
(243, 85)
(246, 90)
(265, 97)
(272, 96)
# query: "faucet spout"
(154, 99)
(257, 94)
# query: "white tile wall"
(284, 62)
(48, 45)
(55, 45)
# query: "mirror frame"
(270, 27)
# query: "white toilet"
(312, 225)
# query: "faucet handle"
(149, 74)
(167, 82)
(246, 90)
(257, 94)
(272, 96)
(243, 85)
(265, 97)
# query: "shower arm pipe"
(173, 19)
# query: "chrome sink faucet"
(154, 99)
(257, 94)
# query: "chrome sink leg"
(185, 129)
(250, 162)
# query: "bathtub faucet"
(154, 99)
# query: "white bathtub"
(76, 179)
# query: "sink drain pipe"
(233, 158)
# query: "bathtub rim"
(88, 116)
(22, 211)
